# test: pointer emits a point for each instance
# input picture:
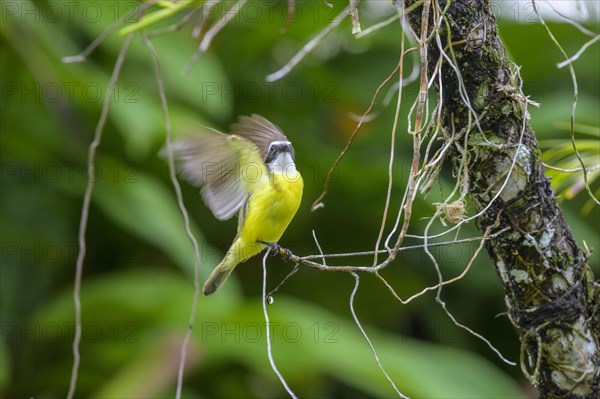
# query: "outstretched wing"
(227, 167)
(258, 130)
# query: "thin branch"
(176, 26)
(182, 209)
(308, 47)
(212, 33)
(392, 148)
(441, 283)
(378, 26)
(446, 282)
(411, 187)
(414, 74)
(364, 334)
(206, 10)
(571, 21)
(268, 327)
(87, 197)
(291, 10)
(590, 169)
(574, 102)
(318, 203)
(285, 279)
(406, 248)
(82, 57)
(319, 248)
(307, 260)
(475, 334)
(355, 18)
(578, 54)
(390, 20)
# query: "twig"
(406, 248)
(590, 169)
(211, 33)
(306, 260)
(182, 209)
(578, 54)
(267, 326)
(291, 10)
(318, 203)
(388, 195)
(411, 187)
(308, 47)
(446, 282)
(475, 334)
(441, 283)
(82, 57)
(355, 18)
(571, 21)
(573, 105)
(285, 279)
(364, 334)
(87, 197)
(176, 26)
(319, 248)
(377, 26)
(388, 21)
(206, 10)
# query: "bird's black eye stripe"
(271, 155)
(278, 147)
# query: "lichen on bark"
(551, 296)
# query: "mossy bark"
(551, 295)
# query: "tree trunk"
(551, 295)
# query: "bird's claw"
(288, 254)
(276, 249)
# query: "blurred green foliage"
(138, 275)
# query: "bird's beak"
(289, 149)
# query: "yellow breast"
(271, 208)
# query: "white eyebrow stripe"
(280, 142)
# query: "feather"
(227, 167)
(258, 130)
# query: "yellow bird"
(252, 171)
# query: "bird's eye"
(270, 154)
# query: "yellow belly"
(271, 209)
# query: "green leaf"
(149, 19)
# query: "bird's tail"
(238, 253)
(218, 277)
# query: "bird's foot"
(286, 254)
(276, 249)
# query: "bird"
(251, 172)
